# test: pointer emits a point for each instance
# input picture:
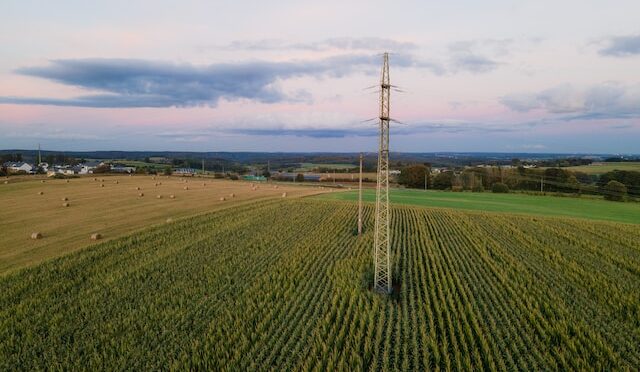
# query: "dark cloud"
(604, 101)
(343, 43)
(142, 83)
(622, 46)
(372, 130)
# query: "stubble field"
(108, 205)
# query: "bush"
(233, 177)
(218, 175)
(457, 188)
(299, 177)
(615, 191)
(500, 187)
(478, 188)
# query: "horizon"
(630, 154)
(532, 77)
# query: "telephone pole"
(382, 259)
(360, 199)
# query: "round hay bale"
(232, 195)
(137, 188)
(275, 187)
(64, 198)
(40, 193)
(169, 220)
(102, 185)
(36, 235)
(172, 196)
(67, 181)
(159, 196)
(117, 182)
(204, 184)
(284, 194)
(153, 178)
(65, 204)
(186, 187)
(141, 194)
(42, 181)
(102, 180)
(6, 182)
(95, 179)
(96, 236)
(222, 198)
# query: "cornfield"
(283, 285)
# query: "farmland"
(227, 291)
(112, 208)
(600, 168)
(306, 167)
(512, 203)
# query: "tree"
(631, 179)
(500, 187)
(615, 191)
(168, 170)
(266, 174)
(299, 177)
(413, 176)
(557, 179)
(443, 180)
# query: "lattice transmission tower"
(382, 243)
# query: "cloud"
(476, 56)
(142, 83)
(604, 101)
(622, 46)
(359, 130)
(343, 43)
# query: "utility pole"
(39, 155)
(542, 184)
(382, 259)
(360, 199)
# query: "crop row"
(284, 285)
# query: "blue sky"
(527, 76)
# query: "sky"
(490, 76)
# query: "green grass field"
(512, 203)
(305, 167)
(600, 168)
(283, 285)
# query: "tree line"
(614, 185)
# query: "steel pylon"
(382, 244)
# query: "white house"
(89, 166)
(19, 166)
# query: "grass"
(283, 285)
(600, 168)
(512, 203)
(306, 167)
(112, 210)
